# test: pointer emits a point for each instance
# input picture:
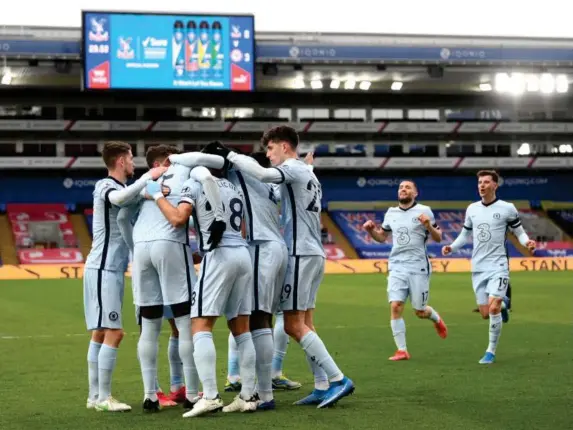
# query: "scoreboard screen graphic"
(131, 51)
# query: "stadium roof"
(488, 18)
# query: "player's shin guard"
(205, 359)
(186, 352)
(247, 363)
(175, 363)
(106, 363)
(495, 324)
(93, 352)
(147, 349)
(233, 372)
(281, 341)
(263, 341)
(315, 349)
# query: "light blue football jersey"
(409, 238)
(301, 199)
(109, 251)
(489, 225)
(151, 224)
(262, 216)
(204, 214)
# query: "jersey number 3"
(316, 190)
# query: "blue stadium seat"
(450, 221)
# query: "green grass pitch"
(43, 347)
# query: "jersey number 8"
(236, 207)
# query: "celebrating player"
(225, 278)
(155, 156)
(409, 267)
(104, 272)
(489, 220)
(301, 206)
(162, 277)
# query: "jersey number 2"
(315, 187)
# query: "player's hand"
(446, 250)
(369, 225)
(424, 220)
(531, 245)
(196, 258)
(154, 190)
(216, 148)
(156, 172)
(216, 230)
(309, 159)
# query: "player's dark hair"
(112, 150)
(413, 183)
(159, 152)
(492, 173)
(281, 133)
(261, 158)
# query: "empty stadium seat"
(450, 221)
(43, 233)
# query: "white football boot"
(204, 406)
(112, 405)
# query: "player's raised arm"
(192, 159)
(514, 223)
(309, 160)
(248, 165)
(125, 196)
(379, 234)
(202, 175)
(177, 216)
(429, 222)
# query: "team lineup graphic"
(257, 220)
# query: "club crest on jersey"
(496, 216)
(415, 220)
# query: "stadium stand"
(375, 109)
(451, 222)
(43, 234)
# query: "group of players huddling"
(251, 271)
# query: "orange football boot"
(164, 400)
(441, 328)
(400, 355)
(178, 396)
